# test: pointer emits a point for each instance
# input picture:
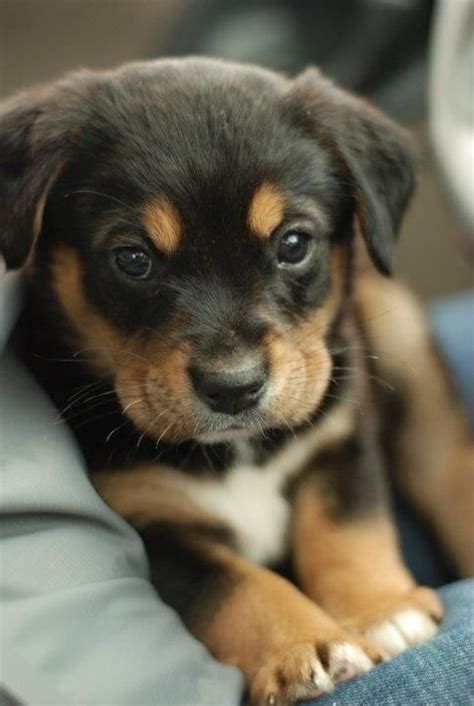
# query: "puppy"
(238, 384)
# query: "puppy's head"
(193, 219)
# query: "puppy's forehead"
(204, 146)
(164, 223)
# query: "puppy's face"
(195, 231)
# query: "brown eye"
(133, 262)
(293, 249)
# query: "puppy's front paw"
(308, 670)
(413, 621)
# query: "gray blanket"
(80, 624)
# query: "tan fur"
(97, 340)
(163, 224)
(287, 632)
(147, 494)
(266, 210)
(352, 569)
(435, 458)
(160, 376)
(151, 377)
(299, 357)
(38, 217)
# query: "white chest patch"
(250, 498)
(250, 501)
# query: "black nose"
(229, 391)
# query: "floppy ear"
(376, 154)
(37, 133)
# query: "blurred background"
(382, 49)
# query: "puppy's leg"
(346, 553)
(248, 616)
(432, 454)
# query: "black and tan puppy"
(195, 312)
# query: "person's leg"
(452, 321)
(453, 326)
(427, 432)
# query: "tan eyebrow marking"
(163, 224)
(266, 210)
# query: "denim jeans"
(440, 672)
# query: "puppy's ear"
(376, 155)
(38, 130)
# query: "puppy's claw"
(307, 671)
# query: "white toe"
(347, 661)
(406, 628)
(387, 636)
(415, 626)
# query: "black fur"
(185, 574)
(377, 155)
(350, 477)
(206, 134)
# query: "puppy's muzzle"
(232, 390)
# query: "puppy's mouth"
(222, 428)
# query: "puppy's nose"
(229, 391)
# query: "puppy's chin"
(226, 435)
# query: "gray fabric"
(80, 624)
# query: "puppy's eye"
(133, 262)
(293, 249)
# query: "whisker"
(97, 193)
(147, 428)
(120, 426)
(83, 401)
(131, 404)
(107, 349)
(163, 434)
